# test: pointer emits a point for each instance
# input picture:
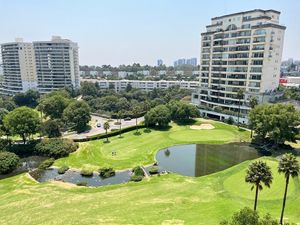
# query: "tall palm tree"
(240, 96)
(106, 127)
(288, 165)
(120, 115)
(258, 173)
(136, 111)
(253, 102)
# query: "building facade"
(120, 85)
(240, 51)
(42, 65)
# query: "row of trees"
(178, 111)
(275, 122)
(259, 174)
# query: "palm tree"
(258, 172)
(288, 165)
(253, 102)
(120, 115)
(136, 111)
(239, 95)
(106, 127)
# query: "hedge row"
(110, 134)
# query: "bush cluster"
(86, 173)
(106, 172)
(136, 178)
(81, 183)
(62, 169)
(138, 174)
(56, 147)
(8, 162)
(46, 164)
(154, 170)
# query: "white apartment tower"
(42, 65)
(240, 51)
(19, 73)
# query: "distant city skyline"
(133, 31)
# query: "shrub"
(46, 164)
(138, 171)
(56, 147)
(81, 183)
(8, 162)
(230, 120)
(51, 128)
(154, 170)
(62, 169)
(136, 178)
(106, 172)
(86, 173)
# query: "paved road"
(100, 130)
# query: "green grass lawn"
(168, 199)
(135, 150)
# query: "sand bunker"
(203, 126)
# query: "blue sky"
(126, 31)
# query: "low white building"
(143, 72)
(94, 73)
(120, 85)
(122, 74)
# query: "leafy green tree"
(181, 111)
(247, 216)
(30, 98)
(159, 115)
(22, 121)
(54, 105)
(88, 89)
(289, 166)
(8, 162)
(258, 173)
(278, 122)
(77, 113)
(52, 128)
(240, 96)
(106, 126)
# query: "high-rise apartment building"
(240, 51)
(19, 72)
(41, 65)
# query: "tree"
(22, 121)
(54, 105)
(258, 173)
(136, 111)
(159, 115)
(106, 127)
(8, 162)
(52, 128)
(253, 103)
(78, 114)
(120, 116)
(239, 95)
(278, 122)
(88, 89)
(29, 98)
(181, 111)
(248, 216)
(289, 166)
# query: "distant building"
(160, 62)
(122, 74)
(107, 73)
(191, 61)
(120, 85)
(41, 65)
(94, 73)
(143, 72)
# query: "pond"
(26, 164)
(202, 159)
(74, 177)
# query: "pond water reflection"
(202, 159)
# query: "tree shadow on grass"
(137, 133)
(162, 128)
(106, 141)
(185, 122)
(147, 130)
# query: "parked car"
(98, 124)
(127, 119)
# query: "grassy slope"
(133, 150)
(168, 199)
